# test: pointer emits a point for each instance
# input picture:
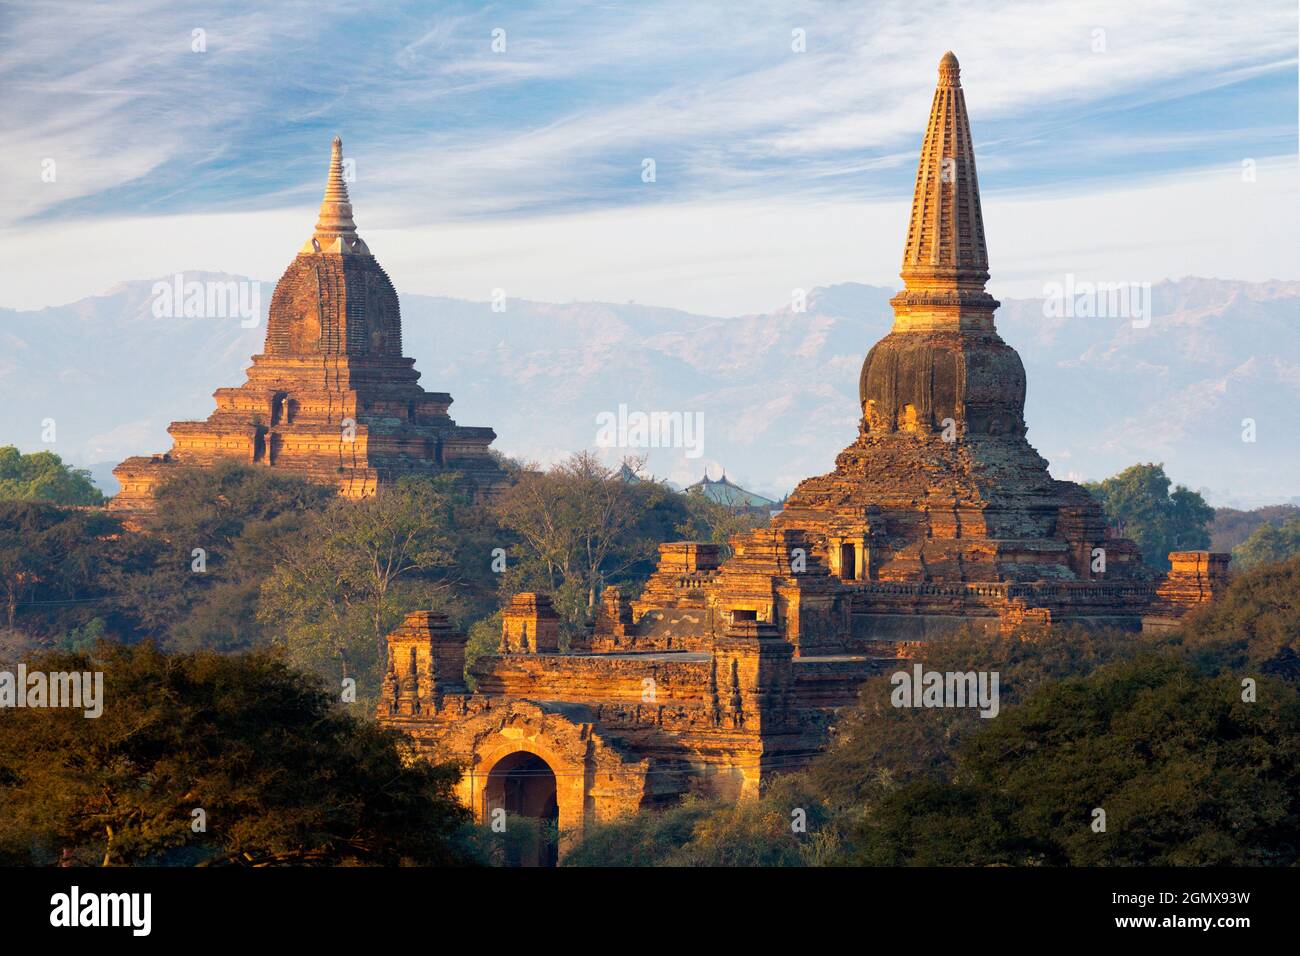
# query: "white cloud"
(756, 143)
(720, 258)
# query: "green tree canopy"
(1186, 772)
(1268, 543)
(281, 775)
(878, 747)
(358, 567)
(1252, 623)
(579, 526)
(1138, 500)
(57, 565)
(1232, 526)
(214, 534)
(42, 476)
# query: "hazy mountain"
(777, 391)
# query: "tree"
(578, 527)
(484, 639)
(215, 533)
(42, 476)
(1231, 526)
(788, 826)
(357, 568)
(1269, 543)
(1185, 771)
(1139, 501)
(211, 507)
(54, 564)
(1253, 623)
(878, 748)
(215, 759)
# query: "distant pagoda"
(331, 398)
(725, 492)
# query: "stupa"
(942, 484)
(331, 397)
(729, 670)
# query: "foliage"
(699, 832)
(42, 476)
(718, 521)
(1253, 623)
(1269, 543)
(1186, 772)
(484, 639)
(578, 527)
(1139, 501)
(878, 747)
(55, 564)
(522, 841)
(236, 517)
(1232, 526)
(340, 587)
(643, 839)
(281, 775)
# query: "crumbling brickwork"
(725, 673)
(331, 398)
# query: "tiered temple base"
(332, 398)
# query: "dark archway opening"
(523, 784)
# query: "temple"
(942, 508)
(331, 397)
(728, 669)
(730, 495)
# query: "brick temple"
(331, 398)
(724, 673)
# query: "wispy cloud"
(446, 130)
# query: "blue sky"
(522, 169)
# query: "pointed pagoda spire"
(335, 229)
(945, 258)
(945, 238)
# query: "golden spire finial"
(949, 70)
(335, 229)
(945, 258)
(945, 240)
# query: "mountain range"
(777, 391)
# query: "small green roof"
(725, 492)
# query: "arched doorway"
(523, 784)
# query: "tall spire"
(945, 259)
(335, 230)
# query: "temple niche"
(331, 397)
(724, 673)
